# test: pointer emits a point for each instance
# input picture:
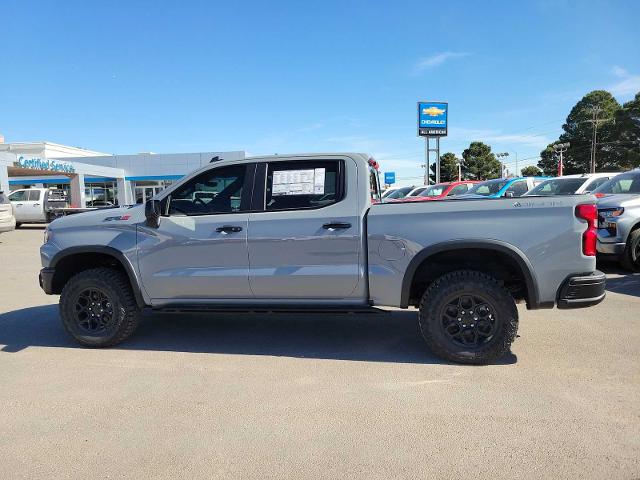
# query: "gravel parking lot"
(284, 396)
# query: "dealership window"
(145, 190)
(215, 191)
(300, 185)
(101, 193)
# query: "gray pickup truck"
(309, 232)
(619, 219)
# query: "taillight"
(599, 195)
(589, 212)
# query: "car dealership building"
(87, 175)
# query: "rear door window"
(303, 185)
(34, 195)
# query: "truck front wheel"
(468, 317)
(98, 309)
(631, 256)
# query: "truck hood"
(619, 200)
(101, 217)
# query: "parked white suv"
(7, 220)
(571, 184)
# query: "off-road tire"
(631, 257)
(116, 287)
(467, 283)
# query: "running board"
(203, 308)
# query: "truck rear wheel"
(98, 309)
(468, 317)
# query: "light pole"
(560, 148)
(502, 155)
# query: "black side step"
(202, 308)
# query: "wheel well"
(500, 265)
(71, 265)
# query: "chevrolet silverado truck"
(309, 233)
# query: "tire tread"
(451, 281)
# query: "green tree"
(448, 168)
(548, 162)
(480, 163)
(628, 134)
(530, 171)
(578, 131)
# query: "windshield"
(626, 183)
(490, 187)
(558, 186)
(417, 192)
(400, 192)
(433, 191)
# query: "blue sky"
(290, 76)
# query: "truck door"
(304, 231)
(34, 208)
(19, 198)
(200, 249)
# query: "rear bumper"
(46, 280)
(582, 290)
(7, 224)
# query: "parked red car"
(441, 190)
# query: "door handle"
(18, 204)
(229, 229)
(336, 226)
(36, 204)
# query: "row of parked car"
(618, 203)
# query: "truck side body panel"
(543, 232)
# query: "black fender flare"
(105, 250)
(496, 245)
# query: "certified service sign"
(432, 119)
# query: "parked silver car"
(619, 219)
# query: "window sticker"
(298, 182)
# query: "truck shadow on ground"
(383, 337)
(626, 284)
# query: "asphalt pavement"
(316, 396)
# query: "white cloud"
(436, 60)
(628, 85)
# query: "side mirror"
(509, 195)
(153, 212)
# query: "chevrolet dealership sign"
(432, 119)
(37, 163)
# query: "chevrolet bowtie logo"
(432, 111)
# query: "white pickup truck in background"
(43, 205)
(37, 205)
